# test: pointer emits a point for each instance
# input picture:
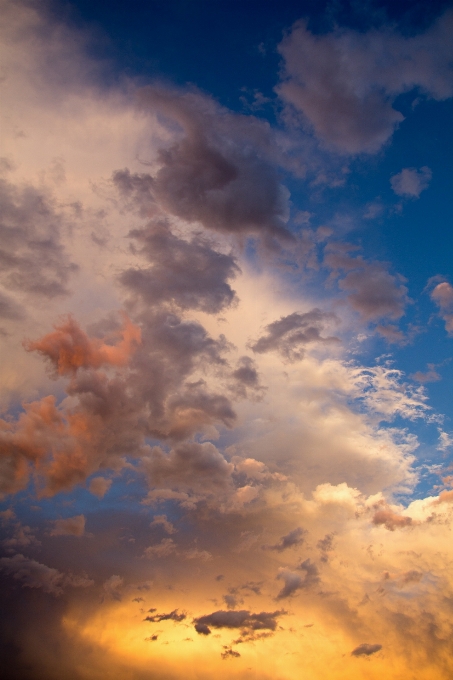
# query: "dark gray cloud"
(291, 334)
(345, 83)
(293, 538)
(366, 649)
(242, 618)
(188, 466)
(33, 574)
(174, 615)
(32, 257)
(220, 172)
(294, 581)
(190, 274)
(246, 380)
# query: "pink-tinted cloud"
(69, 348)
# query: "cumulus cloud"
(372, 290)
(33, 574)
(68, 348)
(411, 182)
(291, 539)
(32, 256)
(71, 526)
(190, 274)
(291, 334)
(345, 83)
(442, 295)
(241, 618)
(390, 519)
(294, 581)
(229, 186)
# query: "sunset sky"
(226, 331)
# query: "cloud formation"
(344, 83)
(411, 182)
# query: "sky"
(226, 326)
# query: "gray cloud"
(175, 615)
(32, 258)
(220, 172)
(190, 274)
(246, 380)
(366, 649)
(294, 581)
(33, 574)
(242, 618)
(290, 334)
(293, 538)
(373, 291)
(345, 82)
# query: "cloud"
(242, 618)
(293, 538)
(442, 295)
(246, 380)
(366, 649)
(68, 348)
(373, 291)
(411, 182)
(431, 375)
(99, 486)
(162, 521)
(189, 274)
(229, 186)
(72, 526)
(113, 587)
(345, 83)
(165, 548)
(175, 615)
(294, 581)
(391, 519)
(33, 574)
(33, 259)
(291, 334)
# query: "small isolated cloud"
(72, 526)
(431, 375)
(293, 538)
(99, 486)
(442, 295)
(366, 649)
(175, 615)
(411, 182)
(242, 619)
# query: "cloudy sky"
(226, 327)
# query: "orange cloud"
(69, 348)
